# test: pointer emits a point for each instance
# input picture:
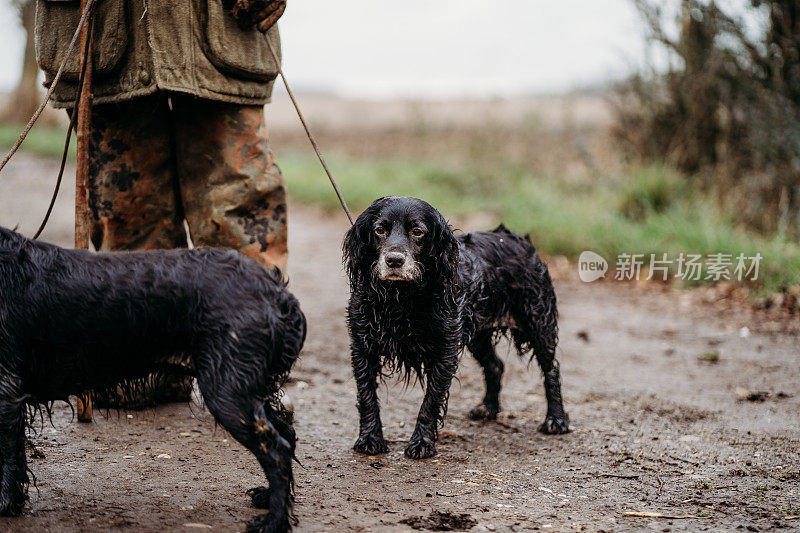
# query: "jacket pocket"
(241, 53)
(56, 21)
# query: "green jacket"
(144, 46)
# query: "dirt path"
(655, 429)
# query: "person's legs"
(134, 205)
(233, 193)
(132, 196)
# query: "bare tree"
(26, 97)
(727, 111)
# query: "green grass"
(709, 357)
(43, 141)
(650, 211)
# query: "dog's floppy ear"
(444, 248)
(357, 253)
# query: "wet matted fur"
(420, 294)
(74, 321)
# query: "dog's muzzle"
(397, 266)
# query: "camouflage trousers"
(160, 159)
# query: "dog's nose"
(395, 260)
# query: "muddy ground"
(658, 425)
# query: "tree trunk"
(26, 97)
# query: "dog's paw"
(421, 448)
(260, 497)
(554, 426)
(484, 412)
(371, 445)
(266, 523)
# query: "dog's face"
(399, 231)
(400, 239)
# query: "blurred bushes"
(651, 210)
(727, 110)
(652, 191)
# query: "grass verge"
(43, 141)
(651, 211)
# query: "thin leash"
(35, 117)
(308, 131)
(73, 120)
(84, 17)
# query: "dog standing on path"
(74, 321)
(419, 294)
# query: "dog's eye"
(380, 231)
(416, 232)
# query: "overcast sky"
(437, 49)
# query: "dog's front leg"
(434, 406)
(12, 451)
(366, 369)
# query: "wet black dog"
(419, 294)
(74, 321)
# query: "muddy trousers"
(160, 159)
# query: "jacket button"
(144, 77)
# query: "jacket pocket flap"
(56, 21)
(242, 53)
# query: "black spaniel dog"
(419, 294)
(74, 321)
